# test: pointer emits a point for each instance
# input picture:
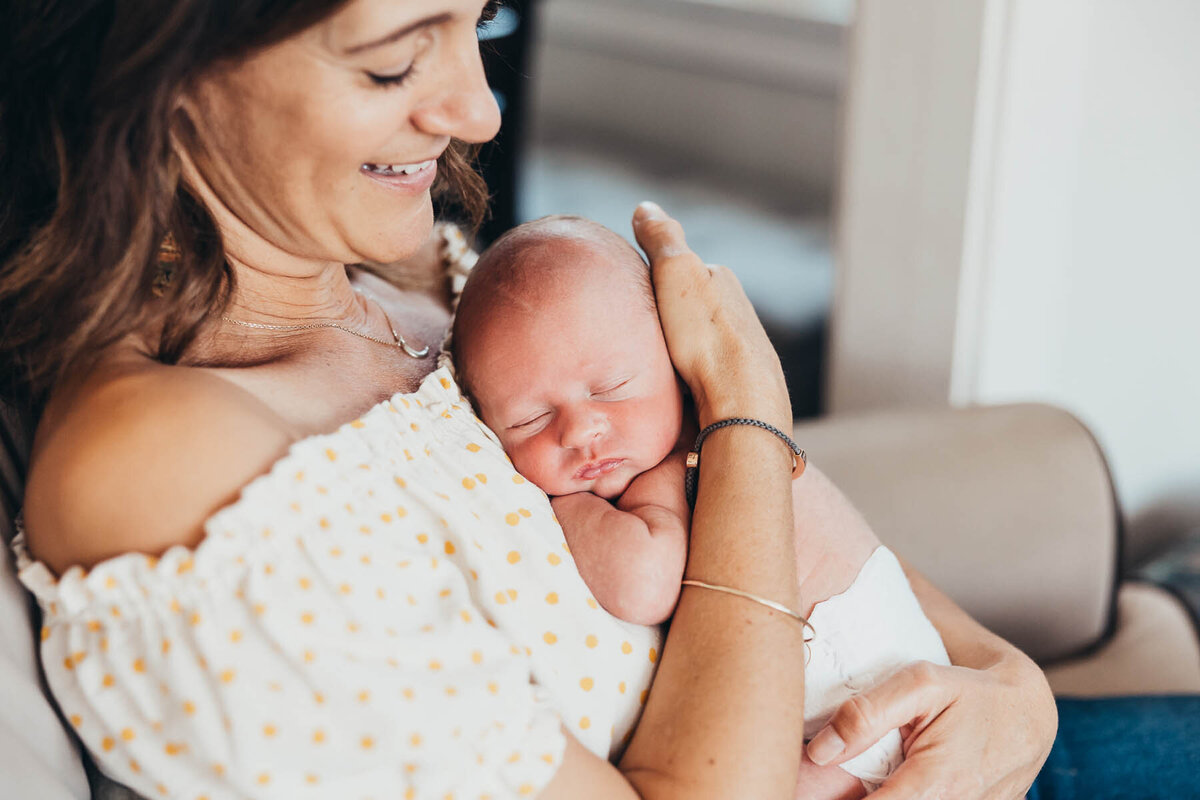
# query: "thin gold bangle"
(756, 599)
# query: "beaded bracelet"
(692, 475)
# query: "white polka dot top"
(390, 612)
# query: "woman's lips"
(595, 469)
(409, 178)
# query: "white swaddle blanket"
(862, 635)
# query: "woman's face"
(324, 146)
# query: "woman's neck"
(295, 297)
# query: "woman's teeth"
(398, 169)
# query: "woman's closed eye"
(418, 47)
(400, 77)
(395, 79)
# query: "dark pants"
(1133, 748)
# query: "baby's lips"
(594, 469)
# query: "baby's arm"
(632, 555)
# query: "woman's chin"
(399, 237)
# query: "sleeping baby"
(569, 367)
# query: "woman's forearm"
(725, 715)
(1032, 714)
(969, 644)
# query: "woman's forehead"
(361, 25)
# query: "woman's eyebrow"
(399, 33)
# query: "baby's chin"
(613, 485)
(613, 490)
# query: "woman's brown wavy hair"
(90, 185)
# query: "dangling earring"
(168, 257)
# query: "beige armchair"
(1008, 509)
(1011, 511)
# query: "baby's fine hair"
(503, 271)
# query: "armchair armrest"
(1008, 509)
(38, 758)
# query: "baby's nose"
(582, 430)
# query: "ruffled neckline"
(225, 529)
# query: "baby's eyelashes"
(530, 423)
(611, 388)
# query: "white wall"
(1075, 260)
(901, 221)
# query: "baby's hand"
(661, 487)
(632, 561)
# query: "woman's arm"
(724, 717)
(979, 729)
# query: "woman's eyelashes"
(397, 79)
(415, 49)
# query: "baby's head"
(557, 340)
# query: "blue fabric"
(1133, 748)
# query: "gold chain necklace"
(399, 340)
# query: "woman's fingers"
(947, 767)
(953, 749)
(688, 300)
(714, 337)
(681, 282)
(916, 693)
(659, 235)
(912, 780)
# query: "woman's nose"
(463, 107)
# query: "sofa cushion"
(1154, 650)
(1008, 509)
(38, 758)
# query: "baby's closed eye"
(530, 424)
(612, 388)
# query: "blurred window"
(838, 12)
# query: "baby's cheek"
(658, 432)
(535, 464)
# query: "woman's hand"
(978, 731)
(716, 342)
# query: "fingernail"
(650, 209)
(825, 747)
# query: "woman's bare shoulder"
(138, 456)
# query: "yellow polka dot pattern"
(389, 594)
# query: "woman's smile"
(408, 178)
